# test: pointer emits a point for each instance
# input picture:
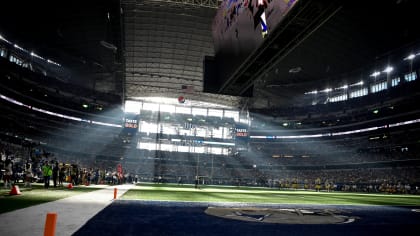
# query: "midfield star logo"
(283, 216)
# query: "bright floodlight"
(132, 107)
(4, 39)
(388, 69)
(18, 47)
(374, 74)
(358, 83)
(312, 92)
(410, 57)
(167, 108)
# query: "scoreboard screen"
(241, 132)
(131, 123)
(241, 137)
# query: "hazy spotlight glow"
(375, 74)
(410, 57)
(132, 107)
(388, 69)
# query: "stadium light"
(132, 106)
(30, 53)
(410, 57)
(388, 69)
(358, 83)
(327, 90)
(312, 92)
(375, 74)
(4, 39)
(343, 87)
(18, 47)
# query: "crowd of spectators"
(393, 102)
(227, 170)
(26, 164)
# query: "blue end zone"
(128, 217)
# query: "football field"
(227, 194)
(171, 209)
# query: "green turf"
(167, 192)
(172, 192)
(36, 195)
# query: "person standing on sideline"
(61, 175)
(196, 181)
(55, 171)
(136, 179)
(46, 172)
(28, 174)
(7, 177)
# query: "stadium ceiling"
(324, 41)
(140, 48)
(158, 46)
(165, 45)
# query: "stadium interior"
(280, 93)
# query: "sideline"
(72, 213)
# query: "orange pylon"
(50, 223)
(15, 190)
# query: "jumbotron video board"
(242, 25)
(239, 28)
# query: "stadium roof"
(158, 45)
